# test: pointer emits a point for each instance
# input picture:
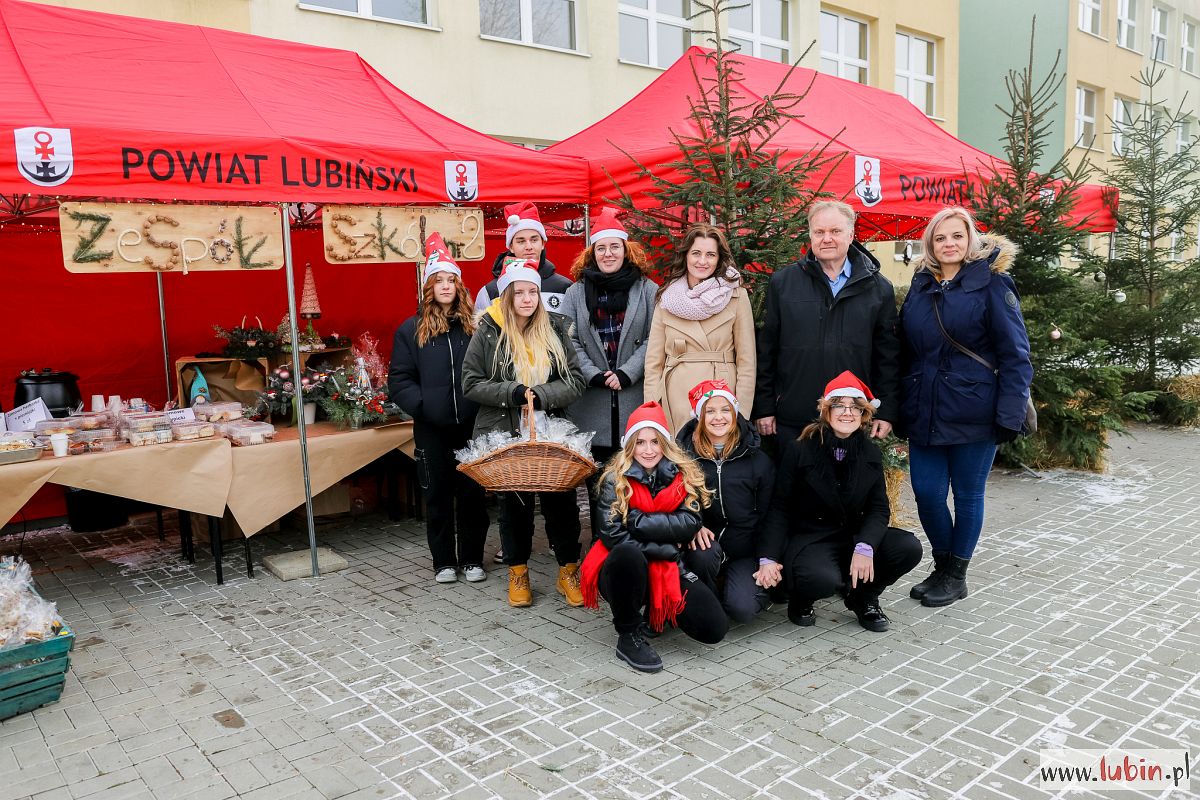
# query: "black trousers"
(449, 494)
(821, 568)
(740, 596)
(561, 512)
(624, 583)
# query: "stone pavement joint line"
(1081, 630)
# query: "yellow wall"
(233, 15)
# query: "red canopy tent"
(898, 167)
(134, 108)
(126, 108)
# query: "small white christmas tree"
(310, 306)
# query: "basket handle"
(528, 411)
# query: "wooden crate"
(33, 675)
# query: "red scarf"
(666, 597)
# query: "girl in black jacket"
(827, 529)
(651, 495)
(425, 380)
(728, 546)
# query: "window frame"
(757, 38)
(526, 40)
(1080, 119)
(1184, 49)
(430, 13)
(1127, 24)
(930, 79)
(1095, 10)
(1165, 13)
(1122, 115)
(1183, 134)
(842, 60)
(653, 18)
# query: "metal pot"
(59, 390)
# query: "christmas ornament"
(310, 306)
(1055, 332)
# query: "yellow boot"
(519, 593)
(568, 584)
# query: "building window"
(1187, 46)
(1127, 23)
(1089, 16)
(844, 47)
(1085, 116)
(1174, 254)
(654, 32)
(1122, 118)
(1183, 135)
(761, 29)
(549, 23)
(391, 10)
(915, 70)
(1158, 33)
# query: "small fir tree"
(1157, 330)
(730, 174)
(1080, 398)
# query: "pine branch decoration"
(384, 240)
(246, 257)
(84, 254)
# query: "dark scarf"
(608, 292)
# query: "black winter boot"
(801, 613)
(866, 608)
(951, 586)
(637, 652)
(940, 557)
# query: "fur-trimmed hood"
(1001, 252)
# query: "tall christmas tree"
(310, 306)
(729, 173)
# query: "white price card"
(26, 417)
(178, 415)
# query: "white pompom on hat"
(647, 415)
(605, 225)
(516, 269)
(848, 385)
(437, 258)
(522, 216)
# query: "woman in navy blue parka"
(957, 406)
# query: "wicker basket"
(530, 466)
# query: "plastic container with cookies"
(223, 411)
(89, 420)
(49, 427)
(142, 438)
(243, 433)
(142, 422)
(98, 441)
(191, 431)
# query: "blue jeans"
(935, 470)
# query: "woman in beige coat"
(703, 327)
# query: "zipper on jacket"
(720, 493)
(453, 387)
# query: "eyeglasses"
(604, 249)
(841, 409)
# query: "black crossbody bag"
(1031, 421)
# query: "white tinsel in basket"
(549, 429)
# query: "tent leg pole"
(298, 400)
(587, 226)
(162, 322)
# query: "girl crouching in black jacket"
(425, 380)
(650, 498)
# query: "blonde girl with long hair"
(651, 496)
(425, 379)
(519, 350)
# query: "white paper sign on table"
(26, 417)
(178, 415)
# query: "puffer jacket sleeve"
(885, 355)
(764, 492)
(477, 380)
(562, 390)
(777, 524)
(664, 527)
(613, 532)
(1010, 341)
(404, 379)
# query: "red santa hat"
(437, 258)
(647, 415)
(522, 217)
(516, 269)
(848, 385)
(704, 391)
(607, 226)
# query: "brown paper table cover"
(268, 480)
(193, 476)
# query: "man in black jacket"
(832, 311)
(525, 239)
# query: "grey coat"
(491, 385)
(593, 411)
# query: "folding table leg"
(249, 557)
(186, 547)
(216, 545)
